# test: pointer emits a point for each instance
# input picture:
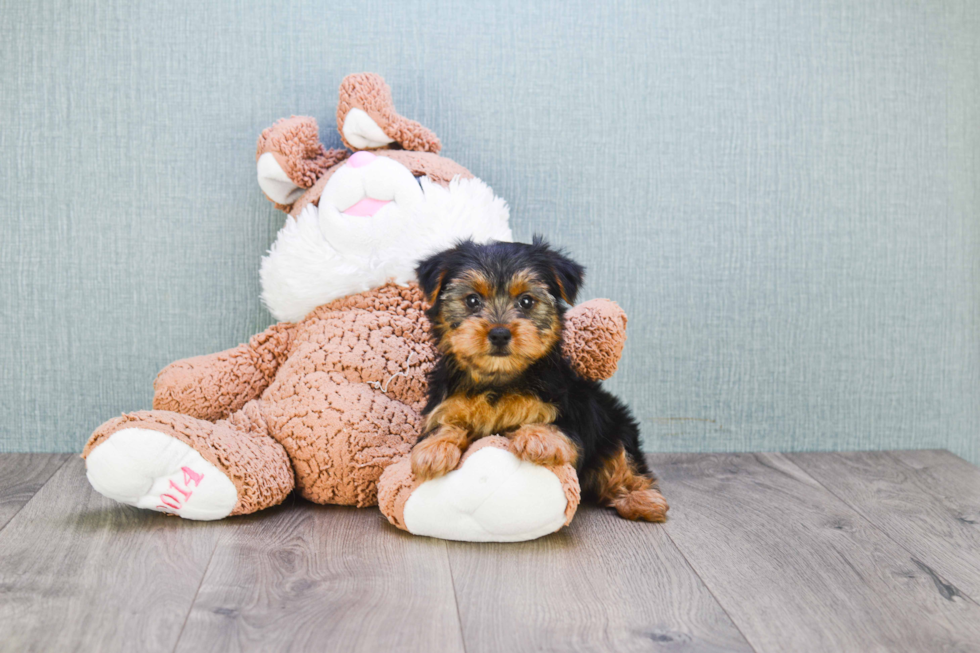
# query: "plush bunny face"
(368, 217)
(367, 184)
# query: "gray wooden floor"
(763, 552)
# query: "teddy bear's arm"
(212, 387)
(595, 332)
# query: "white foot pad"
(148, 469)
(493, 497)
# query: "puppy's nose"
(362, 158)
(499, 336)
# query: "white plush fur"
(315, 261)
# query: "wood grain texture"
(927, 501)
(324, 578)
(80, 572)
(799, 570)
(21, 475)
(757, 555)
(604, 584)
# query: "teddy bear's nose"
(361, 158)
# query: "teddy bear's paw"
(492, 497)
(149, 469)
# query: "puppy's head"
(498, 308)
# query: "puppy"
(497, 312)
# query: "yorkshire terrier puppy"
(497, 312)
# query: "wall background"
(785, 196)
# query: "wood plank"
(927, 501)
(603, 584)
(326, 578)
(799, 570)
(81, 572)
(21, 475)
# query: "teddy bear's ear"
(367, 120)
(564, 275)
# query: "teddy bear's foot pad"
(149, 469)
(492, 497)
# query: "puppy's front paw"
(543, 444)
(434, 457)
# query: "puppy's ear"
(565, 275)
(431, 274)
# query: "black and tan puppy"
(497, 312)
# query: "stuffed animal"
(328, 400)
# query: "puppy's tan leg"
(439, 453)
(543, 444)
(633, 495)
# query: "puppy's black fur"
(600, 425)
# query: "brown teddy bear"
(328, 400)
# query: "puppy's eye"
(472, 301)
(526, 302)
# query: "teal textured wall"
(783, 195)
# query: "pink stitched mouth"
(366, 208)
